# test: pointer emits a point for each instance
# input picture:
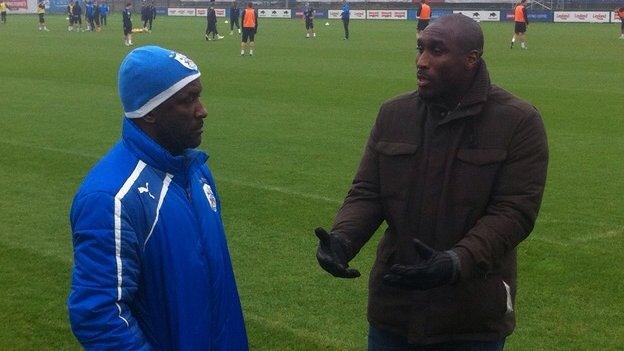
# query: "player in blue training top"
(103, 12)
(90, 15)
(152, 269)
(345, 15)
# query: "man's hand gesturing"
(332, 255)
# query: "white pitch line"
(575, 222)
(49, 148)
(254, 185)
(604, 233)
(601, 236)
(281, 190)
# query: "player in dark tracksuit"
(148, 14)
(77, 14)
(70, 15)
(234, 16)
(127, 24)
(96, 16)
(211, 25)
(308, 15)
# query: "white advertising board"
(352, 1)
(179, 11)
(481, 16)
(274, 13)
(387, 14)
(204, 12)
(615, 18)
(582, 16)
(353, 14)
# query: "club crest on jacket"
(212, 200)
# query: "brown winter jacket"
(471, 180)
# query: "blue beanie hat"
(149, 75)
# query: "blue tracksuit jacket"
(89, 9)
(103, 9)
(345, 14)
(152, 269)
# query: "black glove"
(332, 255)
(437, 268)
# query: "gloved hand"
(437, 269)
(332, 255)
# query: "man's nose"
(200, 111)
(422, 60)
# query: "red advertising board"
(15, 5)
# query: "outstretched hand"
(436, 268)
(332, 255)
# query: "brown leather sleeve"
(514, 203)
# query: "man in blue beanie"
(152, 269)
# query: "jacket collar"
(150, 152)
(472, 103)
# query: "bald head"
(449, 55)
(462, 31)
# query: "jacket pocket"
(396, 163)
(480, 306)
(474, 175)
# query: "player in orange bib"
(424, 15)
(521, 22)
(620, 13)
(250, 28)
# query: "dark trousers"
(103, 19)
(379, 340)
(3, 16)
(146, 22)
(212, 28)
(233, 22)
(345, 23)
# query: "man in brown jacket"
(457, 171)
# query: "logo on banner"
(600, 16)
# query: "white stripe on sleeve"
(163, 192)
(120, 195)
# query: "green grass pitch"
(285, 132)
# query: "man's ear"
(472, 60)
(150, 117)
